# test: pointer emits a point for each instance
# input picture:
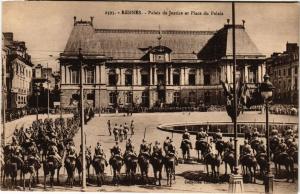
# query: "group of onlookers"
(284, 109)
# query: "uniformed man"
(201, 135)
(129, 145)
(255, 134)
(218, 135)
(121, 133)
(171, 152)
(71, 151)
(166, 144)
(145, 148)
(247, 148)
(157, 151)
(186, 137)
(116, 132)
(109, 127)
(99, 153)
(125, 130)
(230, 144)
(116, 150)
(274, 132)
(132, 127)
(53, 151)
(282, 146)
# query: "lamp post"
(266, 89)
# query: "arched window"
(192, 77)
(145, 77)
(192, 97)
(112, 77)
(176, 77)
(128, 77)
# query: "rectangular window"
(145, 79)
(112, 98)
(75, 76)
(129, 98)
(207, 79)
(89, 76)
(192, 79)
(161, 79)
(128, 79)
(112, 79)
(176, 79)
(176, 97)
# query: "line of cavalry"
(47, 143)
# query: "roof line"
(140, 31)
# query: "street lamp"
(266, 89)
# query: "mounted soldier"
(166, 144)
(282, 146)
(218, 136)
(186, 144)
(246, 149)
(99, 153)
(171, 152)
(145, 148)
(116, 150)
(289, 134)
(53, 151)
(201, 135)
(255, 134)
(157, 150)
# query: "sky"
(46, 26)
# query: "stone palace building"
(125, 67)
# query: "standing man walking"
(109, 127)
(132, 127)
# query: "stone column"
(197, 76)
(97, 74)
(182, 76)
(134, 76)
(186, 76)
(167, 75)
(259, 73)
(155, 75)
(151, 75)
(263, 70)
(171, 75)
(63, 74)
(122, 76)
(119, 76)
(139, 78)
(246, 77)
(103, 74)
(201, 76)
(68, 80)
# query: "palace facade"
(125, 67)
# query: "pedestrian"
(109, 127)
(132, 127)
(121, 133)
(125, 131)
(116, 132)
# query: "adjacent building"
(125, 67)
(283, 70)
(18, 71)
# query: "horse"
(49, 166)
(282, 158)
(79, 165)
(250, 163)
(262, 161)
(116, 162)
(131, 162)
(214, 161)
(220, 147)
(144, 161)
(99, 166)
(228, 159)
(157, 164)
(31, 166)
(70, 165)
(202, 146)
(169, 163)
(185, 147)
(13, 165)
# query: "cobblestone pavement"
(96, 130)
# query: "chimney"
(92, 19)
(228, 20)
(74, 20)
(244, 23)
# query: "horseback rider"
(53, 151)
(282, 146)
(255, 134)
(99, 153)
(218, 135)
(145, 148)
(71, 152)
(274, 132)
(166, 144)
(14, 145)
(246, 149)
(116, 150)
(157, 150)
(230, 144)
(201, 135)
(261, 147)
(171, 152)
(288, 134)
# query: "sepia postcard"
(150, 96)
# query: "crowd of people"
(284, 109)
(121, 131)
